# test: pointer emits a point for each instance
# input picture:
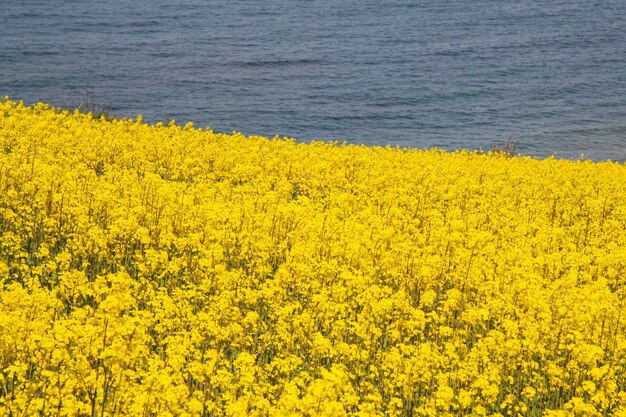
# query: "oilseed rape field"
(164, 270)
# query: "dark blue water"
(424, 73)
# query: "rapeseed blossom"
(173, 271)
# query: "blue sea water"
(422, 73)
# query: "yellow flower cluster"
(173, 271)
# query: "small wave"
(26, 15)
(277, 62)
(39, 53)
(164, 54)
(599, 131)
(143, 23)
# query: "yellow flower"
(175, 271)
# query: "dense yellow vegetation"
(172, 271)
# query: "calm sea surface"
(422, 73)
